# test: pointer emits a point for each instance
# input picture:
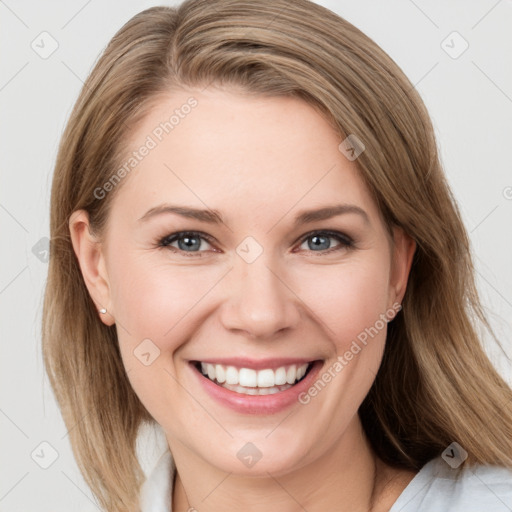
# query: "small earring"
(103, 311)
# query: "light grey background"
(470, 101)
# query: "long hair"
(435, 384)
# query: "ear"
(88, 250)
(402, 255)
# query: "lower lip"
(258, 404)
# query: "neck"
(347, 478)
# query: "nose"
(260, 302)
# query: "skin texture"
(259, 162)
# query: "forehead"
(249, 155)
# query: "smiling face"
(255, 288)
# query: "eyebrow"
(214, 216)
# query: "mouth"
(251, 381)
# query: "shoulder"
(437, 486)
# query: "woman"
(254, 247)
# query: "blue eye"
(320, 240)
(189, 243)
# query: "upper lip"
(256, 364)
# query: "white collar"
(156, 491)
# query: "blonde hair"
(435, 385)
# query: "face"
(214, 260)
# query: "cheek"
(160, 301)
(151, 301)
(349, 305)
(150, 297)
(347, 299)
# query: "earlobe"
(88, 251)
(403, 253)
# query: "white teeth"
(247, 378)
(291, 374)
(266, 379)
(220, 373)
(231, 375)
(280, 376)
(251, 380)
(256, 391)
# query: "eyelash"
(345, 241)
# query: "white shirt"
(435, 488)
